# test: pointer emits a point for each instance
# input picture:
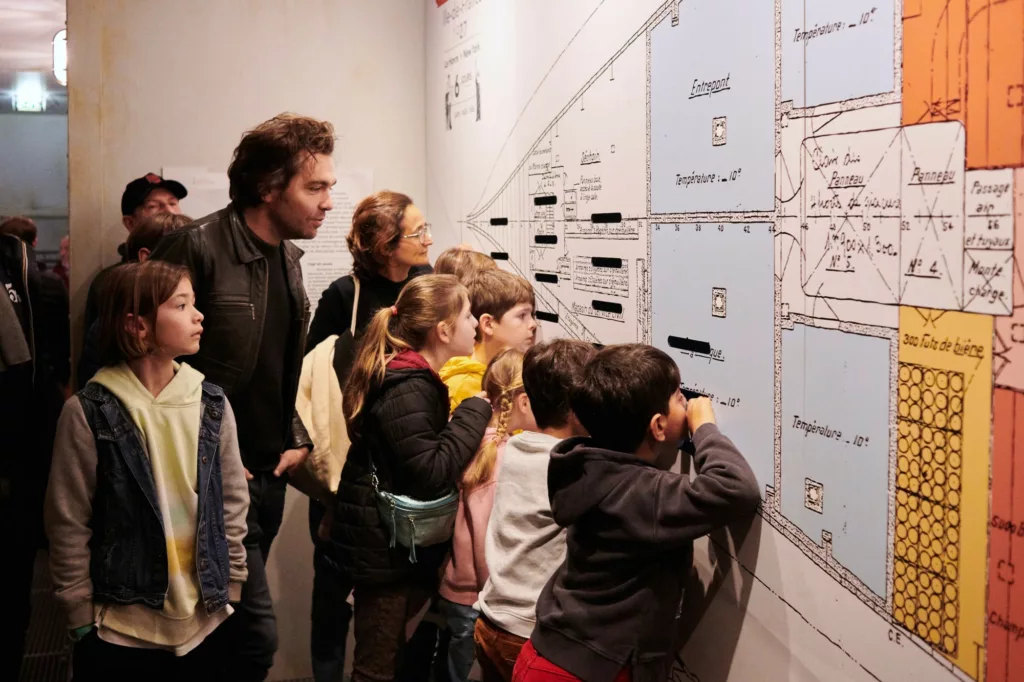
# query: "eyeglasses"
(423, 234)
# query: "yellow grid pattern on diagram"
(927, 535)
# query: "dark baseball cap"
(136, 191)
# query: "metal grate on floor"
(47, 647)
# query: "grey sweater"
(524, 545)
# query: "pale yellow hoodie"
(169, 426)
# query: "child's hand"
(698, 413)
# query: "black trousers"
(251, 633)
(94, 659)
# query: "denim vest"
(128, 545)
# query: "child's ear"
(136, 326)
(444, 332)
(486, 324)
(657, 427)
(522, 403)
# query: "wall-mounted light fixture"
(60, 56)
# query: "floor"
(47, 647)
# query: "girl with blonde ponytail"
(466, 570)
(396, 408)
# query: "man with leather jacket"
(248, 285)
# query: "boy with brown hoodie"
(609, 611)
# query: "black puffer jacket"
(418, 452)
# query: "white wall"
(34, 176)
(156, 83)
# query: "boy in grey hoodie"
(524, 545)
(609, 611)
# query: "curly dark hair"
(272, 153)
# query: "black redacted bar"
(549, 200)
(545, 239)
(546, 278)
(499, 221)
(606, 306)
(689, 345)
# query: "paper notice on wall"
(327, 257)
(207, 190)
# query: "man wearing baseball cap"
(147, 195)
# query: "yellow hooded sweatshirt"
(463, 376)
(169, 426)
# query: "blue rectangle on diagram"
(713, 312)
(713, 108)
(835, 50)
(835, 444)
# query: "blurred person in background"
(34, 371)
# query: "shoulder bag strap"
(352, 331)
(355, 307)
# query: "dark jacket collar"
(246, 249)
(14, 251)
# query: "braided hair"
(503, 383)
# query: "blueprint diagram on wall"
(814, 206)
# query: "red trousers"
(532, 667)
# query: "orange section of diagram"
(1005, 649)
(964, 60)
(934, 71)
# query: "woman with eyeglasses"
(389, 242)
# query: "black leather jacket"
(230, 278)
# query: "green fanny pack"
(413, 522)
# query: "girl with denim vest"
(403, 443)
(147, 499)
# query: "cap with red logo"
(136, 191)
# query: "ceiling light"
(29, 93)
